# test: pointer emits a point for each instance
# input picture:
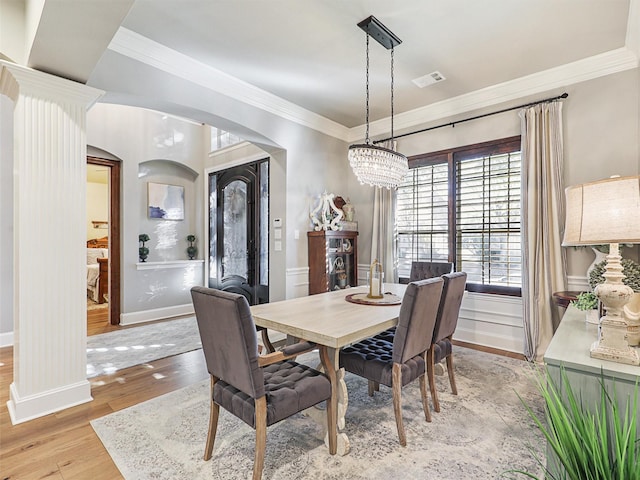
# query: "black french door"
(239, 231)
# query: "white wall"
(97, 208)
(6, 221)
(135, 136)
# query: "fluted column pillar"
(49, 268)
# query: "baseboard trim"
(35, 406)
(494, 351)
(6, 339)
(156, 314)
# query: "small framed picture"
(165, 202)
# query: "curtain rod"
(453, 124)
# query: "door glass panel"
(235, 259)
(213, 240)
(264, 223)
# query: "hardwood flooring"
(63, 446)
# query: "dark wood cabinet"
(333, 260)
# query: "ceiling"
(309, 56)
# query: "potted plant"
(192, 251)
(588, 303)
(587, 442)
(143, 251)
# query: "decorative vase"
(592, 316)
(348, 210)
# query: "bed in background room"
(98, 269)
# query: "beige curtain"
(543, 259)
(383, 238)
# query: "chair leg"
(423, 393)
(396, 383)
(452, 379)
(213, 423)
(432, 380)
(372, 387)
(261, 436)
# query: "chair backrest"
(422, 270)
(449, 309)
(229, 339)
(417, 319)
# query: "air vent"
(430, 79)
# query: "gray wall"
(601, 138)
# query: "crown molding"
(589, 68)
(145, 50)
(149, 52)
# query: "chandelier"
(373, 164)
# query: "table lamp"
(607, 211)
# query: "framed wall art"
(165, 202)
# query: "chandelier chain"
(392, 50)
(366, 137)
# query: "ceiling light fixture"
(372, 164)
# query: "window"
(221, 139)
(463, 206)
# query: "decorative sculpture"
(329, 214)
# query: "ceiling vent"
(430, 79)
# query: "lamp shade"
(607, 211)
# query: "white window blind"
(463, 206)
(488, 219)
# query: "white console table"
(569, 349)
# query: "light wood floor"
(63, 445)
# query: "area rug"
(479, 434)
(91, 305)
(109, 352)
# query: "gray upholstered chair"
(419, 271)
(397, 363)
(260, 390)
(422, 270)
(446, 322)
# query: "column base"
(34, 406)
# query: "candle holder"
(375, 279)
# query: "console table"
(569, 349)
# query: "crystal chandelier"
(372, 164)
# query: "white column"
(49, 259)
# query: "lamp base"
(628, 355)
(612, 342)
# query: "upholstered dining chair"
(446, 322)
(260, 390)
(422, 270)
(398, 363)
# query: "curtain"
(383, 241)
(543, 258)
(383, 238)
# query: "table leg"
(320, 415)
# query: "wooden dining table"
(329, 319)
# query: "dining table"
(330, 319)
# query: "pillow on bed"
(93, 254)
